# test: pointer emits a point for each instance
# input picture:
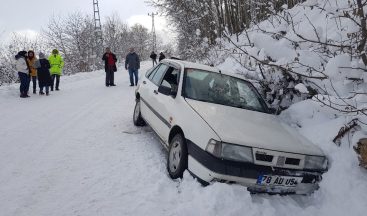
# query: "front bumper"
(209, 168)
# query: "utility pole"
(154, 37)
(98, 47)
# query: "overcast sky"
(29, 16)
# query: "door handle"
(144, 82)
(155, 92)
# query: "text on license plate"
(288, 181)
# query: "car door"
(144, 89)
(148, 97)
(166, 105)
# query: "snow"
(279, 42)
(301, 88)
(77, 152)
(335, 65)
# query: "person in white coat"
(23, 72)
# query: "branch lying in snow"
(347, 110)
(318, 42)
(353, 68)
(344, 130)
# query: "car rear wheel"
(138, 120)
(177, 157)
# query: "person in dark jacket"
(43, 73)
(109, 66)
(132, 64)
(23, 71)
(153, 56)
(161, 56)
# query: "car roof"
(187, 64)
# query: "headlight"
(230, 151)
(316, 162)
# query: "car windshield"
(222, 89)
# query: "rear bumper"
(209, 168)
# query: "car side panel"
(165, 105)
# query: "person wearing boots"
(44, 76)
(132, 64)
(23, 72)
(153, 56)
(109, 66)
(31, 59)
(161, 56)
(57, 64)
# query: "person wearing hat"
(31, 59)
(57, 64)
(22, 67)
(109, 66)
(44, 76)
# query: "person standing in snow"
(23, 72)
(43, 72)
(31, 59)
(161, 56)
(153, 56)
(57, 64)
(109, 66)
(132, 64)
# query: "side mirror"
(167, 91)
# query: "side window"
(171, 78)
(150, 73)
(158, 74)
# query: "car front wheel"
(177, 157)
(138, 120)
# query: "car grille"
(292, 161)
(278, 159)
(263, 157)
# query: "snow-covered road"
(77, 152)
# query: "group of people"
(43, 70)
(48, 70)
(132, 64)
(153, 56)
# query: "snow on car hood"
(251, 128)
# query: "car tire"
(177, 157)
(137, 118)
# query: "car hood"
(251, 128)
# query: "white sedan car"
(217, 126)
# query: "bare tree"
(139, 39)
(116, 35)
(74, 37)
(17, 42)
(200, 23)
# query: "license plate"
(287, 181)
